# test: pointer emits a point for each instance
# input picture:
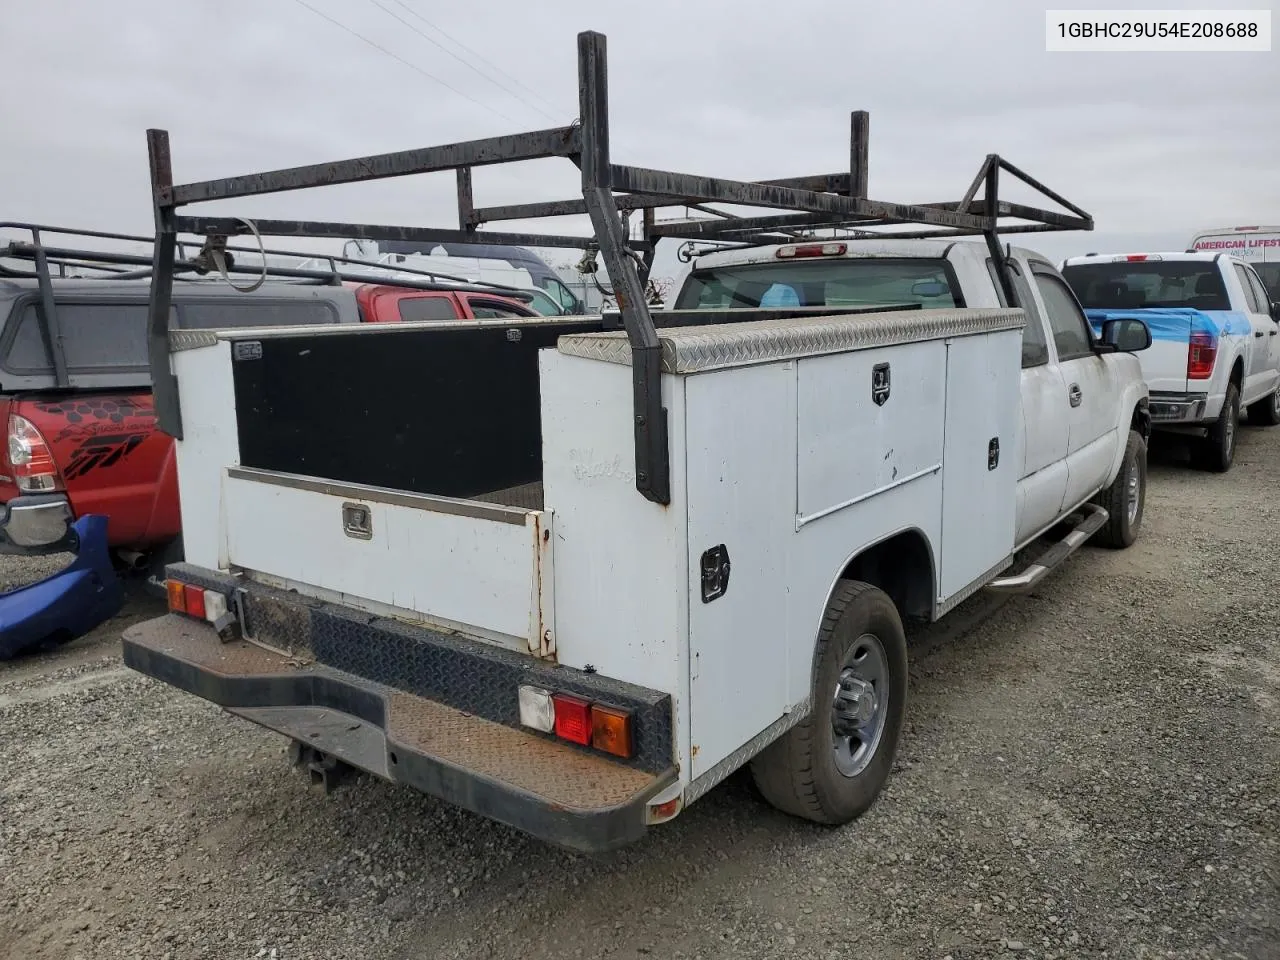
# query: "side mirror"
(1275, 311)
(1126, 335)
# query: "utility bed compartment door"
(983, 457)
(867, 421)
(481, 568)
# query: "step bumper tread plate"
(552, 790)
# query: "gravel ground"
(1090, 771)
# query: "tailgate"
(1164, 364)
(478, 567)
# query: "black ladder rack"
(609, 191)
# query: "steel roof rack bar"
(114, 265)
(609, 194)
(112, 262)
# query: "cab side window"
(1035, 349)
(1066, 320)
(1250, 295)
(1260, 293)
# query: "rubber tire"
(1211, 453)
(1118, 532)
(797, 772)
(1264, 412)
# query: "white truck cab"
(1216, 342)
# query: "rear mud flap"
(67, 604)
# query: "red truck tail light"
(196, 601)
(1201, 353)
(598, 725)
(31, 458)
(573, 718)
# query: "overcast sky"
(1154, 145)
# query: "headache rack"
(828, 201)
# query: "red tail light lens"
(1201, 353)
(573, 718)
(195, 602)
(31, 458)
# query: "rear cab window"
(829, 282)
(1138, 285)
(427, 308)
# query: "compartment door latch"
(715, 573)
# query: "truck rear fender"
(902, 565)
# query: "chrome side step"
(1094, 520)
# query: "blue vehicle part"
(71, 602)
(1176, 323)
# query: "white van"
(1259, 245)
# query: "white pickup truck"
(449, 580)
(1216, 343)
(571, 572)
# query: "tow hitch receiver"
(326, 770)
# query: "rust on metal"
(198, 644)
(558, 774)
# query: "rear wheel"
(1125, 499)
(1266, 412)
(831, 767)
(1217, 451)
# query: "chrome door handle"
(1074, 395)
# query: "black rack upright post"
(164, 385)
(653, 465)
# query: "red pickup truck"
(91, 447)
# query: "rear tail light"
(794, 251)
(31, 458)
(600, 726)
(611, 730)
(573, 718)
(177, 596)
(536, 709)
(1201, 353)
(197, 602)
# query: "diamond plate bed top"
(714, 347)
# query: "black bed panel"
(452, 412)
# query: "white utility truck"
(571, 572)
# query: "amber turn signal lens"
(611, 730)
(177, 596)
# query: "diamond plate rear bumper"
(556, 792)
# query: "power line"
(411, 66)
(465, 63)
(518, 82)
